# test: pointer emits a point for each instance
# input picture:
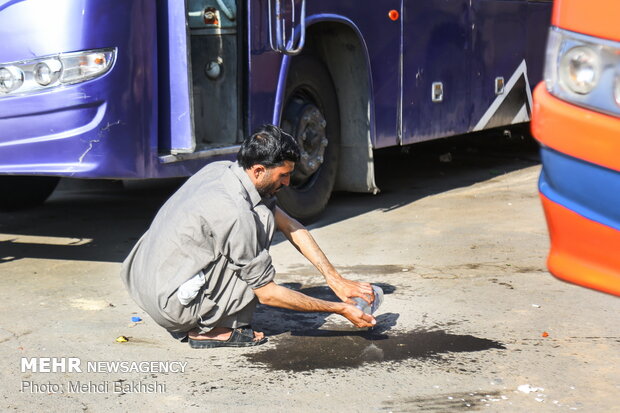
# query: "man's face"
(272, 179)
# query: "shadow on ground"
(102, 220)
(275, 321)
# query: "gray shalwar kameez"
(218, 223)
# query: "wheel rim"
(308, 125)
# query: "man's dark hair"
(269, 146)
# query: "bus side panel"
(437, 53)
(383, 40)
(499, 51)
(98, 128)
(384, 59)
(538, 22)
(383, 50)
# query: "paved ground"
(458, 248)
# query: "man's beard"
(268, 190)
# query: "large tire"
(311, 115)
(19, 192)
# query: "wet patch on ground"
(446, 402)
(471, 270)
(321, 349)
(376, 269)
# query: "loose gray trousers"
(218, 223)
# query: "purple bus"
(134, 89)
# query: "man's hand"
(347, 289)
(277, 296)
(357, 316)
(301, 239)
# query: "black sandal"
(240, 337)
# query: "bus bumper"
(580, 191)
(100, 128)
(583, 226)
(57, 133)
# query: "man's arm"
(301, 238)
(275, 295)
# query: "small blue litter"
(136, 319)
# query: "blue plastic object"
(370, 308)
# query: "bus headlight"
(19, 78)
(583, 70)
(11, 78)
(47, 72)
(78, 67)
(580, 69)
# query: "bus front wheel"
(310, 113)
(19, 192)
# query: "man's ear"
(258, 170)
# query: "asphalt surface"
(471, 320)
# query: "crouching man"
(203, 264)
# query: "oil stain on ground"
(320, 349)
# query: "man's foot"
(226, 337)
(219, 333)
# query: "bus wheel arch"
(340, 49)
(310, 114)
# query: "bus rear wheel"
(311, 115)
(20, 192)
